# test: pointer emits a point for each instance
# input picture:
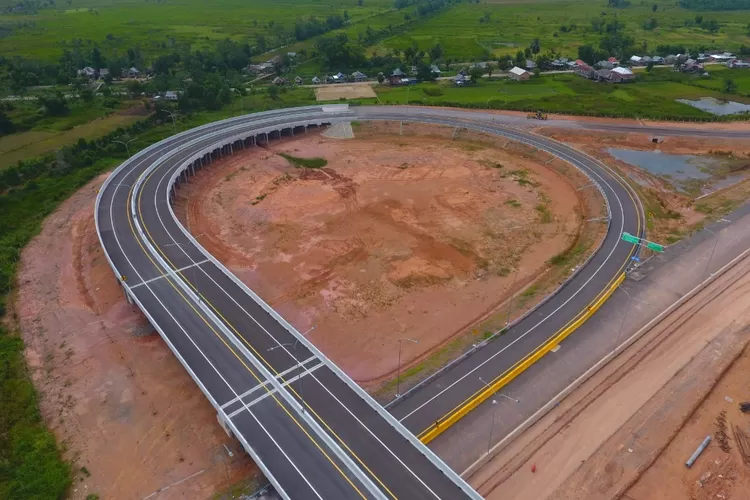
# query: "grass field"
(514, 24)
(653, 96)
(151, 24)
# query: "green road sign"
(654, 246)
(630, 238)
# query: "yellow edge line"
(442, 425)
(255, 351)
(200, 315)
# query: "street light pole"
(172, 114)
(510, 302)
(398, 369)
(126, 144)
(299, 367)
(716, 242)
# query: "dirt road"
(613, 427)
(129, 417)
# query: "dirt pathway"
(618, 422)
(129, 416)
(397, 236)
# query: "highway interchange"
(313, 431)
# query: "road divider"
(447, 421)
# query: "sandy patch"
(396, 237)
(335, 92)
(110, 389)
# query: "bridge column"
(127, 294)
(223, 424)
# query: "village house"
(736, 63)
(315, 80)
(530, 65)
(88, 72)
(561, 63)
(435, 70)
(621, 75)
(657, 60)
(358, 76)
(133, 72)
(605, 65)
(298, 80)
(171, 95)
(396, 77)
(691, 66)
(260, 69)
(636, 60)
(585, 71)
(519, 74)
(279, 81)
(103, 73)
(461, 80)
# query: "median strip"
(450, 419)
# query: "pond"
(717, 107)
(684, 172)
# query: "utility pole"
(398, 369)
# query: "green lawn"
(514, 24)
(653, 96)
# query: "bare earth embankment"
(128, 415)
(414, 236)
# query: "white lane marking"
(203, 354)
(258, 387)
(268, 393)
(622, 225)
(283, 346)
(165, 275)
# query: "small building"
(133, 72)
(171, 95)
(435, 70)
(614, 61)
(658, 60)
(291, 54)
(103, 73)
(603, 75)
(358, 76)
(636, 61)
(461, 80)
(298, 80)
(645, 60)
(691, 66)
(87, 72)
(338, 78)
(519, 74)
(559, 63)
(585, 71)
(395, 77)
(670, 59)
(736, 63)
(621, 75)
(279, 81)
(530, 65)
(315, 80)
(605, 65)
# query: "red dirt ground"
(396, 237)
(110, 389)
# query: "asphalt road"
(311, 429)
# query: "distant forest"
(716, 4)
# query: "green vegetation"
(305, 162)
(652, 96)
(545, 216)
(563, 259)
(30, 462)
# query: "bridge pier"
(127, 294)
(224, 425)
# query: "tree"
(381, 77)
(424, 73)
(654, 7)
(650, 66)
(520, 59)
(273, 92)
(587, 54)
(476, 73)
(535, 46)
(54, 104)
(436, 52)
(505, 63)
(729, 86)
(135, 88)
(87, 95)
(360, 3)
(6, 125)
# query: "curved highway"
(311, 429)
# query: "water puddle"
(690, 174)
(717, 107)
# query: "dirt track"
(611, 429)
(398, 236)
(113, 393)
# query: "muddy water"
(682, 171)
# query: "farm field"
(155, 26)
(512, 25)
(653, 96)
